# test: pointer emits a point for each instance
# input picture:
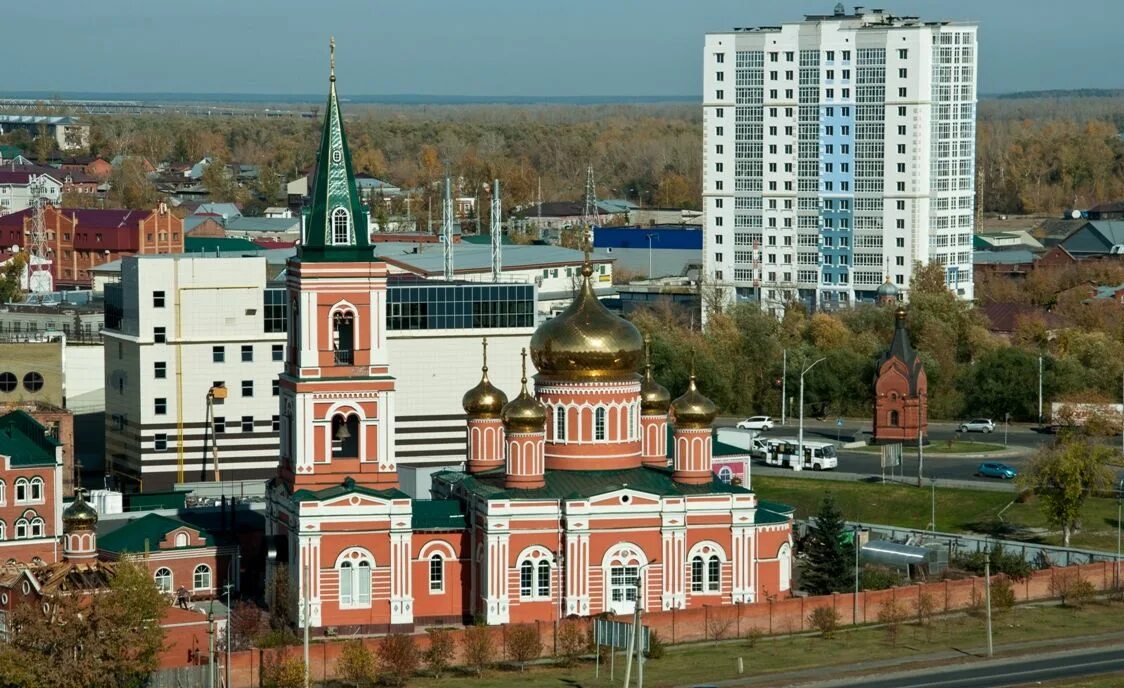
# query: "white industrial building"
(179, 326)
(838, 152)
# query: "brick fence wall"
(733, 621)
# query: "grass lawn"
(942, 447)
(708, 662)
(958, 510)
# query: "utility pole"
(855, 599)
(920, 448)
(495, 227)
(987, 598)
(784, 383)
(799, 465)
(1040, 392)
(933, 506)
(447, 230)
(211, 640)
(227, 588)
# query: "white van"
(818, 456)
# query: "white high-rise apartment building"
(838, 151)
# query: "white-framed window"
(21, 529)
(21, 490)
(560, 422)
(599, 424)
(436, 573)
(354, 569)
(526, 579)
(706, 568)
(534, 573)
(38, 527)
(3, 531)
(341, 227)
(542, 581)
(697, 568)
(3, 493)
(181, 540)
(201, 577)
(163, 578)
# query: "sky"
(490, 47)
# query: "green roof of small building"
(146, 533)
(7, 152)
(584, 484)
(348, 486)
(485, 239)
(438, 514)
(210, 244)
(25, 440)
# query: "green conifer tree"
(829, 566)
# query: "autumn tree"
(1063, 476)
(398, 659)
(356, 664)
(479, 648)
(287, 672)
(523, 644)
(10, 276)
(130, 187)
(440, 652)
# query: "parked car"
(978, 425)
(756, 423)
(994, 469)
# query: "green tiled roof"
(439, 514)
(147, 531)
(485, 239)
(582, 484)
(773, 512)
(206, 244)
(26, 441)
(7, 151)
(349, 486)
(717, 448)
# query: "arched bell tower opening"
(343, 336)
(345, 436)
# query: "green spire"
(336, 226)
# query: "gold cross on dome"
(332, 56)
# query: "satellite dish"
(1075, 214)
(15, 248)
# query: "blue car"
(992, 469)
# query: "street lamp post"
(634, 644)
(1119, 501)
(1006, 422)
(784, 383)
(1040, 392)
(799, 465)
(855, 599)
(650, 235)
(933, 514)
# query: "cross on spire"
(332, 58)
(484, 342)
(523, 353)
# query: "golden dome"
(524, 413)
(484, 400)
(586, 341)
(654, 397)
(79, 515)
(693, 410)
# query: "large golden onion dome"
(586, 341)
(524, 413)
(485, 400)
(79, 515)
(654, 397)
(693, 410)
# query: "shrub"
(440, 652)
(398, 656)
(356, 664)
(1072, 589)
(523, 644)
(1011, 565)
(879, 578)
(479, 648)
(891, 615)
(656, 647)
(248, 622)
(926, 610)
(719, 625)
(825, 620)
(1002, 595)
(752, 635)
(572, 642)
(286, 673)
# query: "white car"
(984, 425)
(756, 423)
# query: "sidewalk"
(949, 659)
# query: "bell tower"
(337, 395)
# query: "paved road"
(1020, 671)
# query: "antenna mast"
(447, 229)
(37, 281)
(496, 229)
(590, 216)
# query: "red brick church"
(901, 406)
(586, 492)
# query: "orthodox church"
(589, 491)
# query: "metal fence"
(181, 677)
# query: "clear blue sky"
(489, 47)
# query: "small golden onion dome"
(654, 397)
(79, 515)
(693, 410)
(586, 341)
(485, 400)
(899, 313)
(524, 413)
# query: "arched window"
(3, 493)
(560, 423)
(201, 578)
(21, 529)
(599, 424)
(354, 571)
(526, 579)
(341, 227)
(894, 418)
(714, 575)
(345, 436)
(37, 527)
(725, 474)
(343, 336)
(436, 573)
(3, 532)
(21, 490)
(544, 579)
(163, 580)
(697, 570)
(36, 489)
(181, 539)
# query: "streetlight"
(1006, 422)
(855, 599)
(933, 515)
(634, 644)
(650, 235)
(784, 381)
(800, 441)
(1119, 498)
